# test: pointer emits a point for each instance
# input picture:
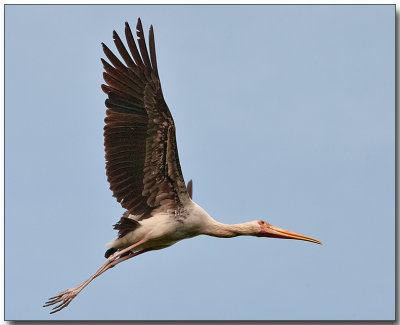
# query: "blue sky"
(283, 113)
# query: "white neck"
(218, 229)
(208, 226)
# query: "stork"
(142, 166)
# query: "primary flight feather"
(142, 165)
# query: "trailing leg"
(65, 297)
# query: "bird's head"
(267, 230)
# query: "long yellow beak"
(276, 232)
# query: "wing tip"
(139, 27)
(105, 89)
(105, 47)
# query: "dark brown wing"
(142, 160)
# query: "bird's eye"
(262, 222)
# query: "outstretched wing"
(142, 162)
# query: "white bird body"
(163, 229)
(143, 169)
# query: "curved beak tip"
(312, 240)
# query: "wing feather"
(152, 46)
(122, 50)
(142, 44)
(132, 46)
(142, 163)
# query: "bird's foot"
(63, 298)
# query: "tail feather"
(125, 225)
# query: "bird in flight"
(142, 166)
